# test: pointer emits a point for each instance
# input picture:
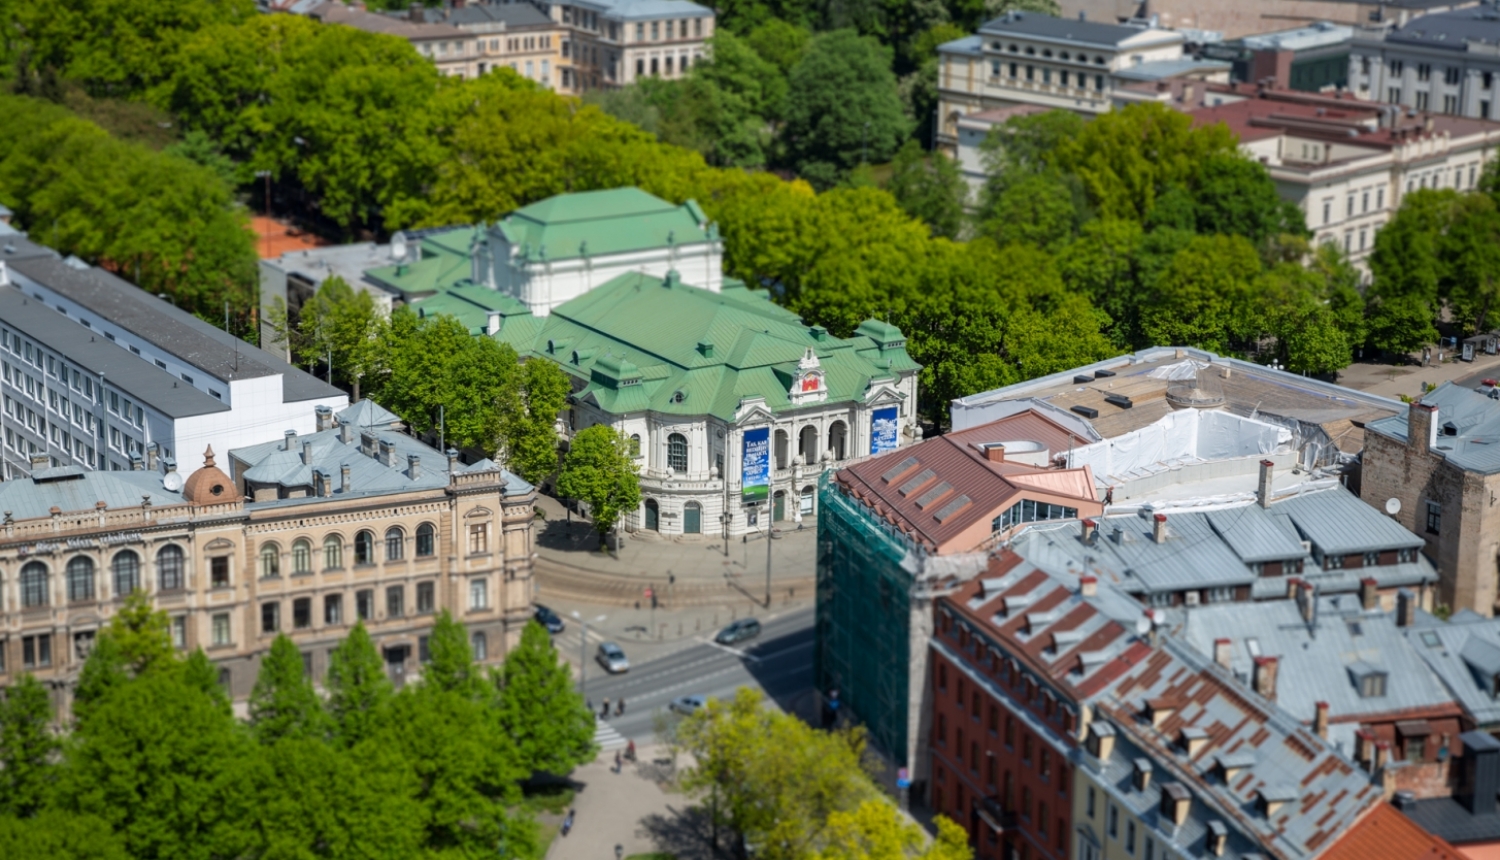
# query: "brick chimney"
(1421, 427)
(1159, 528)
(1320, 720)
(1265, 677)
(323, 415)
(307, 453)
(1090, 530)
(994, 453)
(1406, 608)
(1224, 653)
(344, 483)
(1263, 491)
(1369, 593)
(1088, 586)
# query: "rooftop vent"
(1202, 390)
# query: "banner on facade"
(883, 430)
(755, 474)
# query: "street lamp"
(266, 175)
(583, 645)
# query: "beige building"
(515, 35)
(304, 536)
(611, 43)
(1234, 20)
(453, 51)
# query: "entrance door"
(395, 663)
(780, 507)
(692, 519)
(653, 516)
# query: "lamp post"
(266, 175)
(770, 535)
(583, 647)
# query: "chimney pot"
(153, 451)
(1224, 653)
(452, 462)
(1265, 677)
(324, 417)
(288, 440)
(1320, 720)
(1088, 586)
(1159, 528)
(136, 463)
(346, 432)
(1263, 491)
(1090, 530)
(344, 483)
(1369, 593)
(306, 453)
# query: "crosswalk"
(571, 646)
(605, 736)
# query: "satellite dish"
(172, 482)
(1142, 625)
(1393, 506)
(398, 245)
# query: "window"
(1379, 204)
(394, 550)
(479, 594)
(127, 570)
(83, 643)
(424, 649)
(942, 730)
(36, 651)
(425, 534)
(1031, 73)
(1130, 836)
(395, 601)
(1010, 731)
(270, 617)
(1046, 769)
(333, 552)
(1434, 518)
(333, 609)
(34, 584)
(1027, 511)
(635, 445)
(1041, 821)
(270, 561)
(1450, 104)
(1114, 821)
(1025, 802)
(302, 613)
(1450, 75)
(169, 568)
(364, 604)
(1416, 749)
(80, 578)
(481, 646)
(301, 557)
(221, 629)
(1150, 850)
(1026, 748)
(677, 459)
(1424, 71)
(1423, 100)
(179, 632)
(364, 548)
(479, 538)
(1393, 95)
(218, 571)
(1090, 806)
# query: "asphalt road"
(779, 662)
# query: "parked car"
(549, 619)
(738, 631)
(687, 705)
(612, 658)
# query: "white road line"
(736, 652)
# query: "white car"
(612, 658)
(687, 705)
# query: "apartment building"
(354, 521)
(97, 373)
(454, 51)
(514, 35)
(1214, 21)
(611, 43)
(1445, 62)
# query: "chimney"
(1265, 677)
(1369, 593)
(1421, 427)
(288, 440)
(1088, 586)
(1382, 754)
(320, 483)
(452, 462)
(1117, 535)
(40, 461)
(1224, 653)
(387, 453)
(367, 443)
(324, 417)
(416, 14)
(994, 453)
(1307, 601)
(1159, 528)
(1404, 800)
(306, 453)
(1406, 608)
(344, 485)
(413, 466)
(1479, 772)
(1142, 774)
(1263, 491)
(153, 451)
(1101, 740)
(1090, 531)
(1320, 720)
(346, 432)
(492, 325)
(136, 463)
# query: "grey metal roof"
(171, 329)
(966, 45)
(1446, 817)
(514, 15)
(1160, 69)
(1450, 30)
(1475, 418)
(1465, 654)
(1339, 523)
(143, 380)
(1315, 664)
(1037, 25)
(1347, 580)
(78, 490)
(1256, 536)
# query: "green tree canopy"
(540, 711)
(841, 108)
(930, 188)
(532, 433)
(358, 690)
(600, 471)
(283, 703)
(27, 745)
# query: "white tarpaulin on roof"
(1184, 436)
(1181, 370)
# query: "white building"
(1443, 62)
(96, 372)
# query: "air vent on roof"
(1082, 378)
(917, 482)
(1119, 400)
(1103, 373)
(952, 508)
(1086, 411)
(934, 494)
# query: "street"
(779, 661)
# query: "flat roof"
(1039, 26)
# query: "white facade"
(1446, 62)
(612, 43)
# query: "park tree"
(103, 671)
(341, 326)
(358, 690)
(27, 746)
(59, 835)
(1205, 295)
(451, 667)
(1235, 195)
(779, 42)
(1406, 261)
(532, 432)
(877, 830)
(842, 108)
(143, 635)
(930, 188)
(283, 703)
(200, 673)
(1470, 251)
(600, 471)
(540, 711)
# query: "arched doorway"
(653, 516)
(782, 444)
(779, 506)
(807, 444)
(692, 519)
(807, 501)
(838, 439)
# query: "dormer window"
(1369, 680)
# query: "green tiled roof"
(640, 342)
(592, 223)
(444, 262)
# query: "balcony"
(992, 813)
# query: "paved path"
(630, 809)
(1391, 380)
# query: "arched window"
(34, 584)
(838, 439)
(127, 568)
(635, 445)
(80, 578)
(425, 534)
(364, 548)
(333, 552)
(807, 444)
(394, 540)
(270, 561)
(302, 556)
(169, 568)
(677, 452)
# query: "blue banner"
(755, 472)
(883, 430)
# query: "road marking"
(736, 652)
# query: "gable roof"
(594, 223)
(1475, 443)
(1039, 26)
(1389, 835)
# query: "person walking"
(567, 824)
(604, 714)
(619, 763)
(620, 707)
(630, 751)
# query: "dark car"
(738, 631)
(549, 619)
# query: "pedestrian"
(620, 707)
(590, 703)
(567, 824)
(619, 763)
(604, 714)
(630, 750)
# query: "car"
(549, 619)
(738, 631)
(612, 658)
(687, 705)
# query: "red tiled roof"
(1389, 835)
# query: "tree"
(1470, 251)
(58, 835)
(600, 471)
(876, 830)
(1401, 324)
(200, 673)
(143, 634)
(451, 667)
(532, 435)
(343, 326)
(1204, 297)
(27, 745)
(1236, 196)
(930, 188)
(540, 711)
(358, 690)
(779, 42)
(842, 108)
(283, 703)
(103, 672)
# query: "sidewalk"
(633, 810)
(1389, 380)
